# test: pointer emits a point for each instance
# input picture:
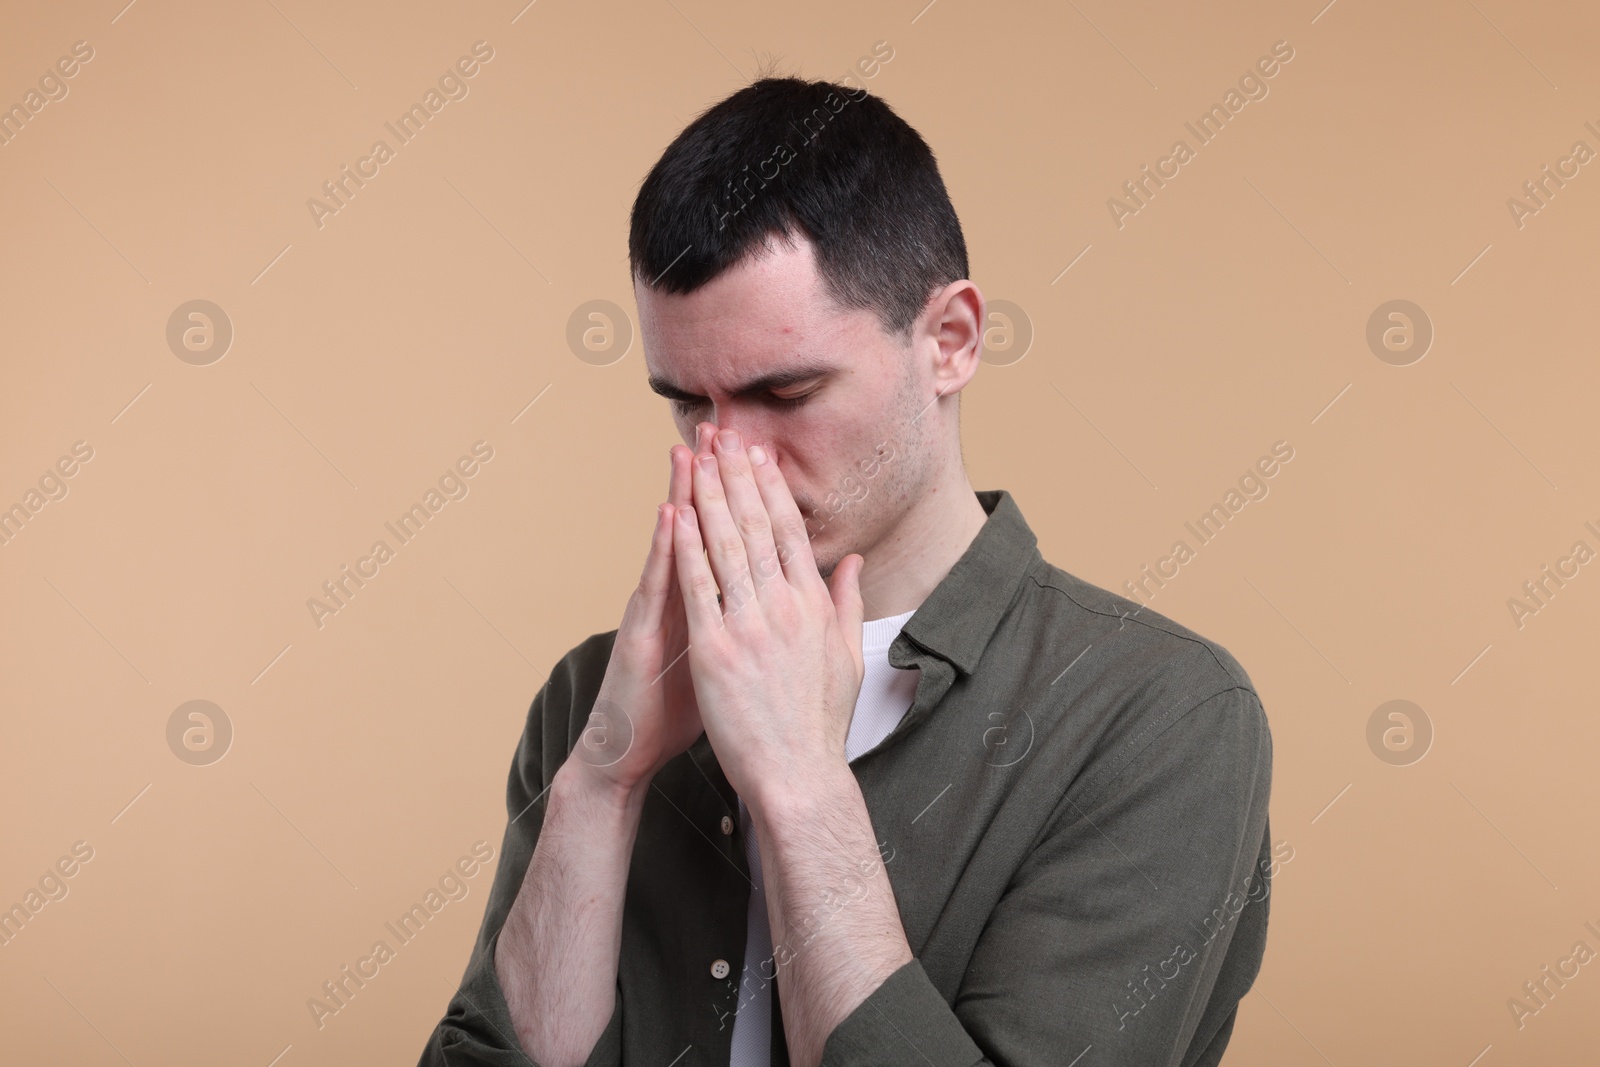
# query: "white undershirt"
(886, 695)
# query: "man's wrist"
(591, 786)
(799, 799)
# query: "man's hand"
(645, 712)
(777, 666)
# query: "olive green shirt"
(1072, 814)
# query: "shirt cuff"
(905, 1022)
(477, 1027)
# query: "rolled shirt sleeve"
(1112, 933)
(477, 1026)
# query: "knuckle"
(754, 523)
(793, 528)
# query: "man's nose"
(748, 430)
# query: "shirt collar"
(959, 617)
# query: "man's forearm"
(837, 930)
(557, 955)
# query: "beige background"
(368, 354)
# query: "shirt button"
(719, 968)
(727, 825)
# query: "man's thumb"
(844, 586)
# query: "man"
(860, 779)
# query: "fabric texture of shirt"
(1072, 815)
(885, 697)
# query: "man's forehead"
(729, 305)
(735, 351)
(763, 324)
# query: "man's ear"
(951, 327)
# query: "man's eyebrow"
(776, 380)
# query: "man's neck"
(914, 559)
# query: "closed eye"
(788, 403)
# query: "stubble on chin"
(826, 559)
(825, 562)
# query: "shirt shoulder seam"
(1050, 571)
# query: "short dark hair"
(851, 175)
